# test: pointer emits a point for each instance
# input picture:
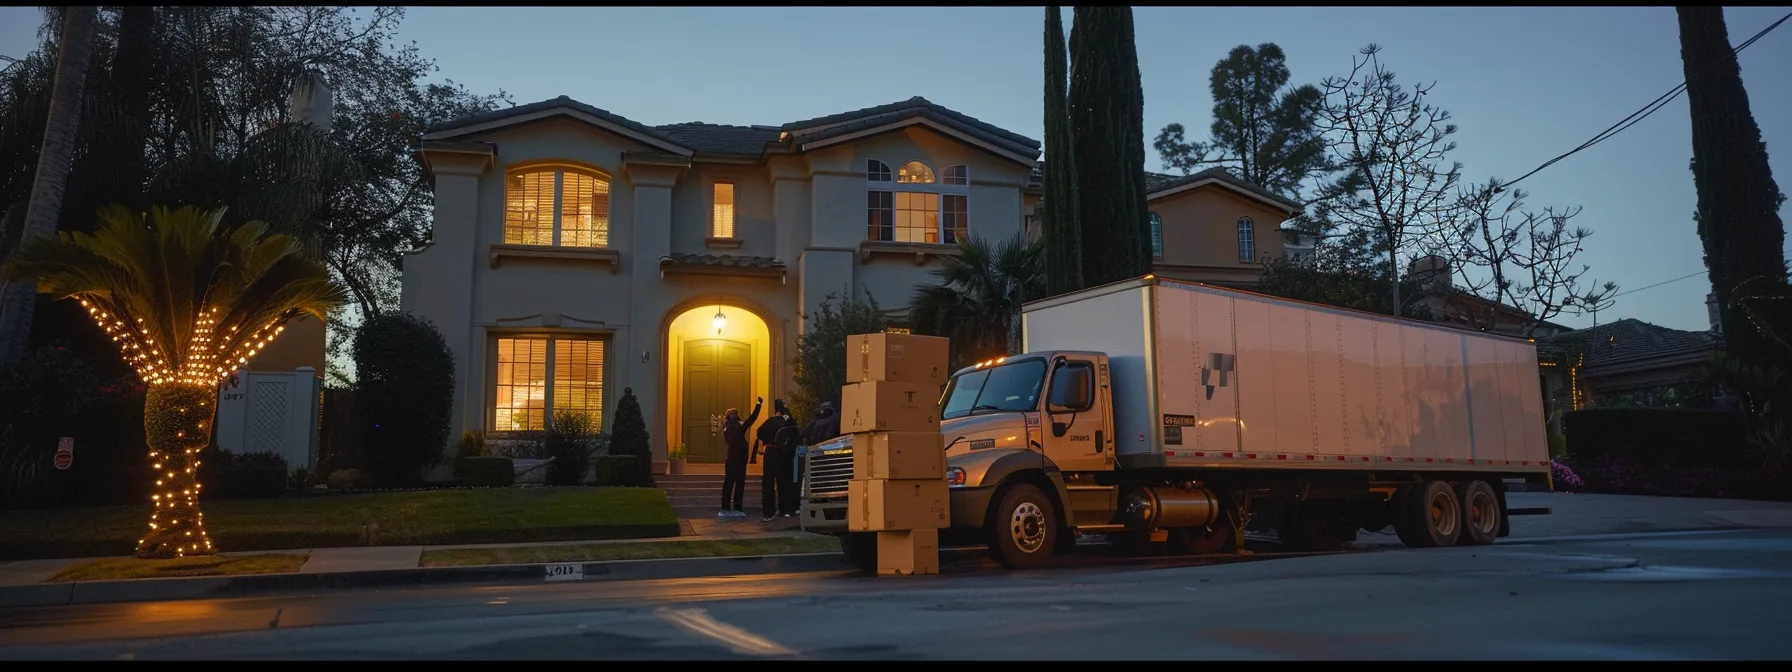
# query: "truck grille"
(828, 472)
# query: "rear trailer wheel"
(1481, 513)
(861, 550)
(1024, 528)
(1430, 516)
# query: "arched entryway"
(718, 356)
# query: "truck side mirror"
(1071, 389)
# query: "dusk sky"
(1525, 84)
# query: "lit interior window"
(724, 215)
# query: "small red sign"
(65, 453)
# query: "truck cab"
(1030, 434)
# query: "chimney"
(311, 101)
(1431, 272)
(1713, 314)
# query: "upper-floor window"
(1157, 236)
(557, 205)
(914, 172)
(915, 207)
(722, 224)
(1247, 240)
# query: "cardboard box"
(908, 552)
(889, 407)
(897, 358)
(877, 505)
(898, 455)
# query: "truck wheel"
(861, 550)
(1319, 526)
(1430, 516)
(1216, 538)
(1024, 530)
(1480, 513)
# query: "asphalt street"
(1658, 596)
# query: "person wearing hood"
(777, 492)
(734, 473)
(826, 425)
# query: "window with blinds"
(541, 202)
(537, 377)
(529, 208)
(584, 210)
(520, 398)
(723, 226)
(579, 378)
(917, 217)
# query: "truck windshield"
(1009, 387)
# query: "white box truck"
(1158, 411)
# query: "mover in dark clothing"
(777, 491)
(826, 425)
(734, 471)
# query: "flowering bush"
(1565, 478)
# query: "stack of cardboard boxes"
(890, 406)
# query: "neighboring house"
(576, 253)
(1628, 363)
(1206, 227)
(1430, 282)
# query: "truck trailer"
(1173, 415)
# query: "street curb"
(148, 590)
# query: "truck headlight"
(955, 477)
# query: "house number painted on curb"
(574, 571)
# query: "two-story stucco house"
(1209, 227)
(576, 253)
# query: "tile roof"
(872, 117)
(1625, 341)
(542, 106)
(721, 138)
(720, 261)
(1221, 174)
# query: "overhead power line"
(1649, 109)
(1658, 284)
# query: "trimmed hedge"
(484, 472)
(231, 475)
(1689, 437)
(620, 471)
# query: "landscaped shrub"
(628, 437)
(572, 442)
(55, 392)
(228, 475)
(484, 472)
(1695, 438)
(404, 396)
(472, 444)
(348, 479)
(620, 471)
(1564, 478)
(1620, 476)
(339, 437)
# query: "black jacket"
(767, 434)
(734, 435)
(821, 429)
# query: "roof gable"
(826, 130)
(1157, 186)
(557, 107)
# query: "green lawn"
(637, 550)
(112, 569)
(433, 517)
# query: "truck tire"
(1481, 513)
(1024, 528)
(1429, 515)
(860, 549)
(1216, 538)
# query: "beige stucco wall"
(807, 210)
(1200, 232)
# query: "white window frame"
(547, 398)
(938, 187)
(559, 170)
(1157, 236)
(1247, 241)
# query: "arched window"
(556, 205)
(1247, 240)
(877, 171)
(914, 172)
(1157, 236)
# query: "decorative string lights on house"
(178, 408)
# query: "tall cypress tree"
(1063, 233)
(1107, 113)
(1738, 211)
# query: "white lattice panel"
(268, 406)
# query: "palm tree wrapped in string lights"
(188, 301)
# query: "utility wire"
(1649, 109)
(1658, 284)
